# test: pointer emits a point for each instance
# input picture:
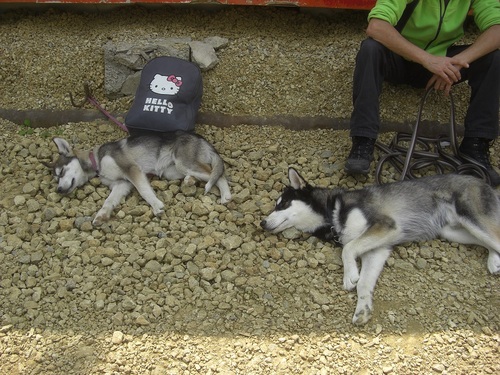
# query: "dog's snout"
(263, 223)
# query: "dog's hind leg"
(198, 171)
(205, 173)
(119, 189)
(472, 234)
(494, 262)
(225, 192)
(372, 264)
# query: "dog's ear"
(48, 165)
(296, 180)
(63, 147)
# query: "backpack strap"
(406, 15)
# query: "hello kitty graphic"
(165, 85)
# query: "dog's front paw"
(494, 262)
(225, 198)
(351, 272)
(362, 315)
(350, 280)
(158, 211)
(100, 219)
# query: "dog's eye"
(59, 173)
(278, 202)
(282, 204)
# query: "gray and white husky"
(370, 221)
(127, 162)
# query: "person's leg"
(367, 86)
(481, 121)
(374, 64)
(483, 76)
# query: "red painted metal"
(341, 4)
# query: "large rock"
(124, 61)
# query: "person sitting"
(413, 42)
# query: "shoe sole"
(357, 171)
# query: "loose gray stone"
(208, 273)
(153, 266)
(117, 337)
(232, 242)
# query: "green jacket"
(434, 27)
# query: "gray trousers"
(376, 63)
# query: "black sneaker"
(361, 155)
(478, 149)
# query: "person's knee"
(371, 47)
(495, 59)
(370, 50)
(488, 63)
(496, 55)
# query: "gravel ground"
(202, 289)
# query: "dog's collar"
(334, 235)
(93, 162)
(328, 233)
(330, 206)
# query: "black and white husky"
(370, 221)
(127, 162)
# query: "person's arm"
(487, 42)
(447, 68)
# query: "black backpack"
(168, 97)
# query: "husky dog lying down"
(370, 221)
(126, 163)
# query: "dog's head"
(67, 168)
(295, 208)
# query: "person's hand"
(446, 68)
(439, 84)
